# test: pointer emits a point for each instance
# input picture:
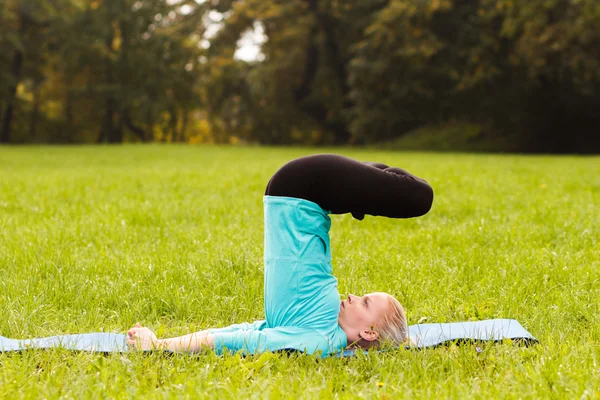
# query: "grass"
(98, 238)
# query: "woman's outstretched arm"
(142, 338)
(343, 185)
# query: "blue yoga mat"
(491, 330)
(422, 336)
(92, 342)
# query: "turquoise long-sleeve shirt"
(302, 301)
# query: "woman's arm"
(142, 338)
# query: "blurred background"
(460, 75)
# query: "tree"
(528, 70)
(300, 90)
(24, 25)
(142, 72)
(556, 44)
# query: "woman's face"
(360, 314)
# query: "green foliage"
(24, 42)
(98, 238)
(328, 72)
(555, 39)
(502, 64)
(102, 68)
(299, 91)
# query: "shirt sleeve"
(246, 341)
(245, 326)
(252, 341)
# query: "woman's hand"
(142, 338)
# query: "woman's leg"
(341, 185)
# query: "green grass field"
(98, 238)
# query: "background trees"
(502, 64)
(329, 72)
(98, 71)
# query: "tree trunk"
(138, 131)
(16, 67)
(340, 128)
(319, 112)
(107, 122)
(184, 122)
(112, 133)
(123, 72)
(69, 109)
(7, 121)
(35, 113)
(312, 60)
(150, 122)
(173, 121)
(119, 131)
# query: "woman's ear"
(369, 335)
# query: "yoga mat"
(422, 336)
(432, 335)
(92, 342)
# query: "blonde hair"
(393, 328)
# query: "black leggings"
(343, 185)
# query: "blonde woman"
(303, 310)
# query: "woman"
(302, 304)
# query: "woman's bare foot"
(142, 338)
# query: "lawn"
(98, 238)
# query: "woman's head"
(372, 319)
